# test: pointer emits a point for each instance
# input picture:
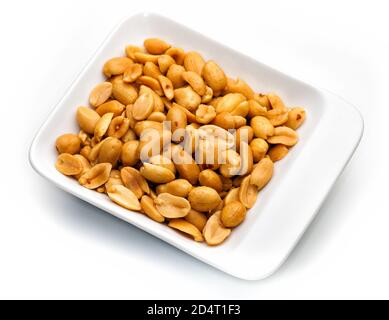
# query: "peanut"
(68, 164)
(156, 46)
(186, 227)
(124, 197)
(100, 94)
(247, 192)
(284, 135)
(262, 173)
(278, 152)
(296, 117)
(233, 214)
(214, 231)
(204, 199)
(171, 206)
(68, 143)
(148, 206)
(96, 176)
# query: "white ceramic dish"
(285, 207)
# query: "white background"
(53, 245)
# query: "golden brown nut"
(186, 227)
(132, 73)
(87, 119)
(178, 187)
(151, 70)
(284, 135)
(100, 94)
(134, 181)
(123, 92)
(185, 164)
(167, 87)
(194, 62)
(232, 195)
(171, 206)
(143, 107)
(148, 206)
(230, 102)
(224, 120)
(118, 127)
(130, 51)
(116, 66)
(96, 176)
(196, 218)
(210, 178)
(152, 83)
(177, 54)
(178, 121)
(112, 106)
(233, 214)
(259, 147)
(130, 153)
(262, 127)
(164, 63)
(102, 126)
(278, 152)
(156, 45)
(239, 86)
(68, 143)
(187, 98)
(204, 199)
(110, 151)
(195, 81)
(214, 231)
(205, 114)
(214, 77)
(262, 173)
(296, 117)
(244, 134)
(156, 173)
(174, 73)
(142, 57)
(124, 197)
(68, 164)
(247, 192)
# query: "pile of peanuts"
(213, 158)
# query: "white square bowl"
(301, 181)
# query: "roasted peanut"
(156, 46)
(116, 66)
(124, 197)
(256, 109)
(174, 73)
(233, 214)
(232, 195)
(214, 77)
(195, 81)
(196, 218)
(243, 134)
(157, 116)
(87, 119)
(278, 152)
(239, 86)
(123, 92)
(152, 83)
(134, 181)
(177, 54)
(185, 165)
(103, 125)
(148, 206)
(112, 106)
(68, 164)
(187, 98)
(130, 51)
(204, 198)
(188, 228)
(100, 94)
(156, 173)
(230, 102)
(110, 151)
(68, 143)
(171, 206)
(194, 62)
(263, 100)
(167, 86)
(178, 121)
(262, 173)
(96, 176)
(179, 188)
(239, 121)
(141, 57)
(151, 70)
(207, 97)
(284, 135)
(247, 192)
(224, 120)
(205, 114)
(164, 63)
(132, 73)
(296, 117)
(210, 178)
(143, 107)
(262, 127)
(118, 127)
(259, 147)
(214, 231)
